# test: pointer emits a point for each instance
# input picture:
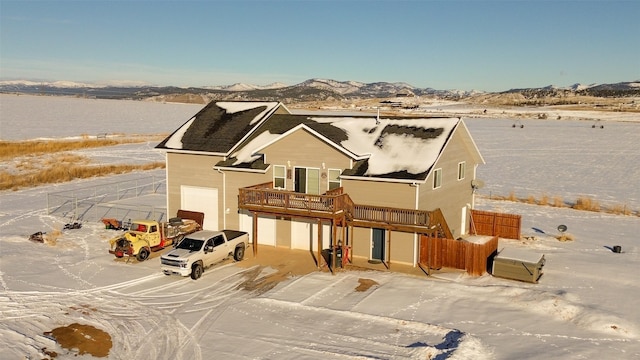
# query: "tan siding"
(399, 195)
(281, 110)
(361, 242)
(197, 170)
(283, 232)
(454, 194)
(302, 149)
(234, 181)
(401, 246)
(191, 170)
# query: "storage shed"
(518, 264)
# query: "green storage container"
(518, 264)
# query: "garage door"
(304, 235)
(266, 228)
(204, 200)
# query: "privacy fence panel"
(496, 224)
(436, 253)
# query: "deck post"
(345, 241)
(255, 234)
(389, 250)
(320, 258)
(334, 253)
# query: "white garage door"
(266, 228)
(204, 200)
(304, 235)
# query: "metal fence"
(143, 198)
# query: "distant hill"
(552, 95)
(309, 90)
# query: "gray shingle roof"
(215, 129)
(393, 147)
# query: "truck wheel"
(196, 271)
(238, 255)
(143, 254)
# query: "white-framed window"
(437, 178)
(461, 169)
(279, 177)
(334, 178)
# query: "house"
(374, 185)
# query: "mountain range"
(309, 90)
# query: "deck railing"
(334, 203)
(288, 200)
(391, 215)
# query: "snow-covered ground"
(584, 307)
(27, 117)
(560, 158)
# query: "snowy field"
(27, 117)
(585, 306)
(566, 158)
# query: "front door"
(377, 248)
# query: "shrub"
(585, 203)
(565, 237)
(558, 202)
(544, 200)
(620, 210)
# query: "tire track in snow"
(129, 323)
(402, 338)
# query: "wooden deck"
(338, 206)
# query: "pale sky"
(465, 45)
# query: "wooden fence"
(495, 224)
(436, 253)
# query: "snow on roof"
(391, 145)
(175, 141)
(219, 126)
(478, 239)
(519, 255)
(233, 107)
(247, 154)
(395, 145)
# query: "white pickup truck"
(202, 249)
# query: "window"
(334, 179)
(218, 240)
(279, 176)
(437, 178)
(461, 168)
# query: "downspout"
(224, 198)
